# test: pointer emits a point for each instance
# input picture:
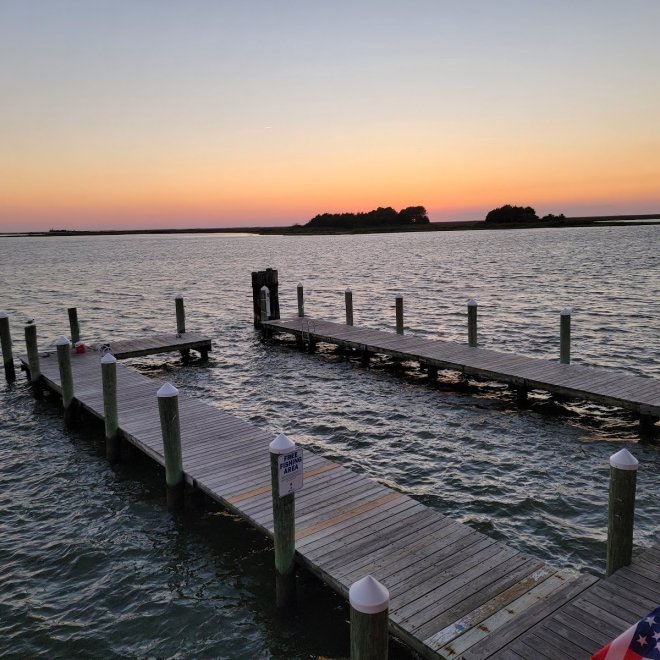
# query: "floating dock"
(454, 591)
(635, 393)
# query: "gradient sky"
(163, 113)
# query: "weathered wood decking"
(164, 343)
(636, 393)
(451, 586)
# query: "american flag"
(641, 641)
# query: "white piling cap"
(300, 286)
(624, 460)
(264, 288)
(179, 296)
(281, 445)
(399, 295)
(472, 302)
(566, 311)
(62, 341)
(348, 289)
(108, 358)
(4, 315)
(167, 390)
(368, 596)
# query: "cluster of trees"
(518, 214)
(380, 217)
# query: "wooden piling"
(399, 314)
(521, 396)
(36, 381)
(284, 526)
(168, 408)
(66, 380)
(268, 278)
(7, 354)
(264, 305)
(370, 602)
(433, 372)
(472, 322)
(565, 336)
(348, 299)
(180, 314)
(110, 415)
(301, 300)
(621, 514)
(74, 325)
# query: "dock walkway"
(636, 393)
(164, 343)
(451, 587)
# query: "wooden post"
(521, 395)
(647, 427)
(73, 323)
(180, 314)
(284, 526)
(472, 322)
(264, 304)
(7, 355)
(348, 298)
(66, 380)
(273, 283)
(301, 300)
(269, 279)
(433, 372)
(623, 481)
(168, 407)
(565, 336)
(399, 314)
(33, 360)
(109, 380)
(370, 602)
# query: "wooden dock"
(451, 587)
(165, 343)
(636, 393)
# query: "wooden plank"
(501, 637)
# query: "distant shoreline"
(299, 230)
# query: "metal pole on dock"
(168, 408)
(7, 355)
(472, 322)
(284, 522)
(109, 379)
(348, 298)
(33, 360)
(66, 380)
(370, 602)
(73, 323)
(301, 300)
(565, 336)
(623, 482)
(399, 314)
(180, 314)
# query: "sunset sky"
(164, 113)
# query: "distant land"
(306, 230)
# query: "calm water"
(92, 565)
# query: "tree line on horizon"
(380, 217)
(516, 214)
